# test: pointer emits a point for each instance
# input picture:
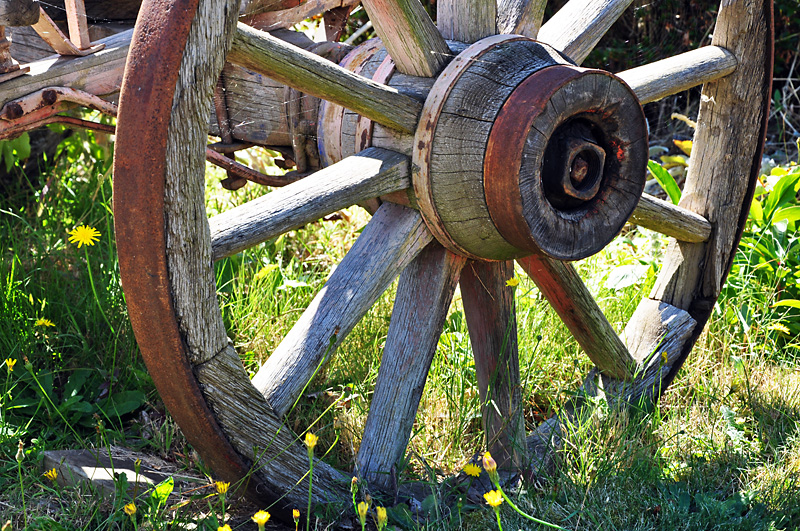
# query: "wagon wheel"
(562, 168)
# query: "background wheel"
(166, 247)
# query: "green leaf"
(161, 492)
(791, 303)
(787, 213)
(624, 276)
(666, 181)
(757, 211)
(782, 194)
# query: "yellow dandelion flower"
(362, 512)
(260, 518)
(381, 516)
(493, 498)
(43, 322)
(684, 145)
(130, 509)
(10, 364)
(780, 327)
(225, 527)
(471, 469)
(84, 235)
(222, 486)
(512, 282)
(311, 440)
(664, 357)
(51, 474)
(296, 515)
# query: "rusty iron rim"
(146, 97)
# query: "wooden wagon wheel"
(515, 153)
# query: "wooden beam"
(660, 79)
(371, 173)
(261, 52)
(577, 27)
(424, 293)
(389, 242)
(410, 36)
(76, 22)
(658, 215)
(492, 322)
(520, 17)
(570, 298)
(466, 20)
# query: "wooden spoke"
(466, 20)
(570, 298)
(423, 297)
(580, 24)
(410, 36)
(683, 225)
(662, 78)
(390, 241)
(521, 17)
(715, 178)
(261, 52)
(371, 173)
(492, 323)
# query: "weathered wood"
(27, 46)
(52, 35)
(663, 78)
(578, 26)
(570, 298)
(99, 73)
(258, 434)
(449, 152)
(417, 47)
(98, 11)
(369, 174)
(424, 293)
(9, 67)
(466, 21)
(286, 18)
(254, 7)
(693, 273)
(658, 215)
(19, 12)
(263, 53)
(492, 323)
(76, 21)
(389, 242)
(522, 17)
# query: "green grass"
(721, 450)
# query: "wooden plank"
(76, 22)
(723, 170)
(663, 78)
(413, 41)
(18, 12)
(389, 242)
(424, 293)
(492, 322)
(658, 215)
(577, 27)
(466, 20)
(521, 17)
(371, 173)
(99, 73)
(311, 74)
(570, 298)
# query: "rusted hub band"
(520, 151)
(564, 167)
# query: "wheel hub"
(518, 151)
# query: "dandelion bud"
(354, 485)
(130, 509)
(490, 465)
(20, 452)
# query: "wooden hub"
(518, 151)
